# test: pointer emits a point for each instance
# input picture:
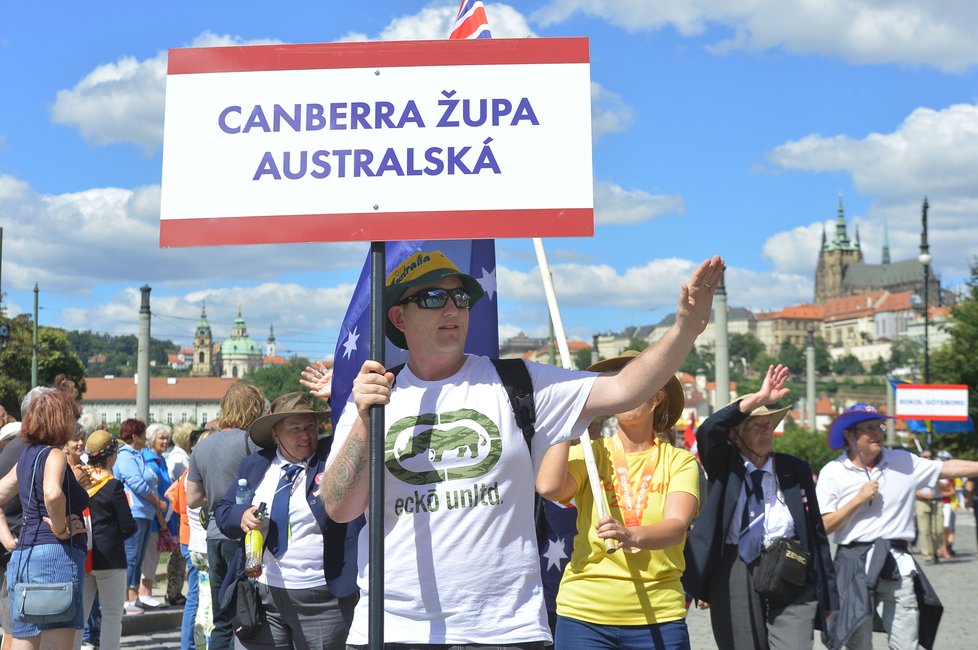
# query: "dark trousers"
(220, 553)
(742, 620)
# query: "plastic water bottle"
(255, 546)
(242, 495)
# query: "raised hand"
(696, 296)
(773, 387)
(318, 379)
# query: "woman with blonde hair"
(632, 597)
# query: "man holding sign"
(461, 566)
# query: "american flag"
(470, 22)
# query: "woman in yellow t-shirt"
(631, 598)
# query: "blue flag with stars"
(477, 257)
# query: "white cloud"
(609, 112)
(932, 153)
(649, 287)
(796, 250)
(614, 205)
(112, 235)
(123, 101)
(938, 34)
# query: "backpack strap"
(519, 388)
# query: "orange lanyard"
(632, 505)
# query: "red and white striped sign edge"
(388, 226)
(933, 387)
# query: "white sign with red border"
(932, 402)
(377, 141)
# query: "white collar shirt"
(890, 514)
(777, 519)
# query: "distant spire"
(203, 316)
(856, 243)
(841, 240)
(886, 243)
(824, 244)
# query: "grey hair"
(154, 429)
(33, 393)
(87, 422)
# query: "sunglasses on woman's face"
(436, 298)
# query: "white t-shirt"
(301, 566)
(461, 563)
(891, 514)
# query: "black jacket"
(112, 523)
(725, 473)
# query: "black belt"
(899, 544)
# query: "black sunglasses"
(436, 298)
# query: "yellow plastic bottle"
(255, 546)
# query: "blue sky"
(720, 127)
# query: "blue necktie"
(278, 520)
(751, 539)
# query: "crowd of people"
(471, 475)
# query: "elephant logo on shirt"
(436, 447)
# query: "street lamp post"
(925, 260)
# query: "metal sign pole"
(375, 505)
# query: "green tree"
(879, 368)
(747, 347)
(582, 358)
(692, 362)
(792, 357)
(279, 379)
(637, 344)
(55, 357)
(804, 444)
(847, 366)
(906, 353)
(956, 362)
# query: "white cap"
(9, 430)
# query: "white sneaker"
(148, 602)
(130, 607)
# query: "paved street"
(956, 582)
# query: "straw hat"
(285, 405)
(9, 430)
(674, 402)
(776, 414)
(100, 443)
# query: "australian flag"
(470, 22)
(477, 257)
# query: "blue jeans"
(573, 634)
(190, 607)
(135, 548)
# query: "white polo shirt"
(890, 515)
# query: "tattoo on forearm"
(345, 472)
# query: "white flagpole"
(565, 360)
